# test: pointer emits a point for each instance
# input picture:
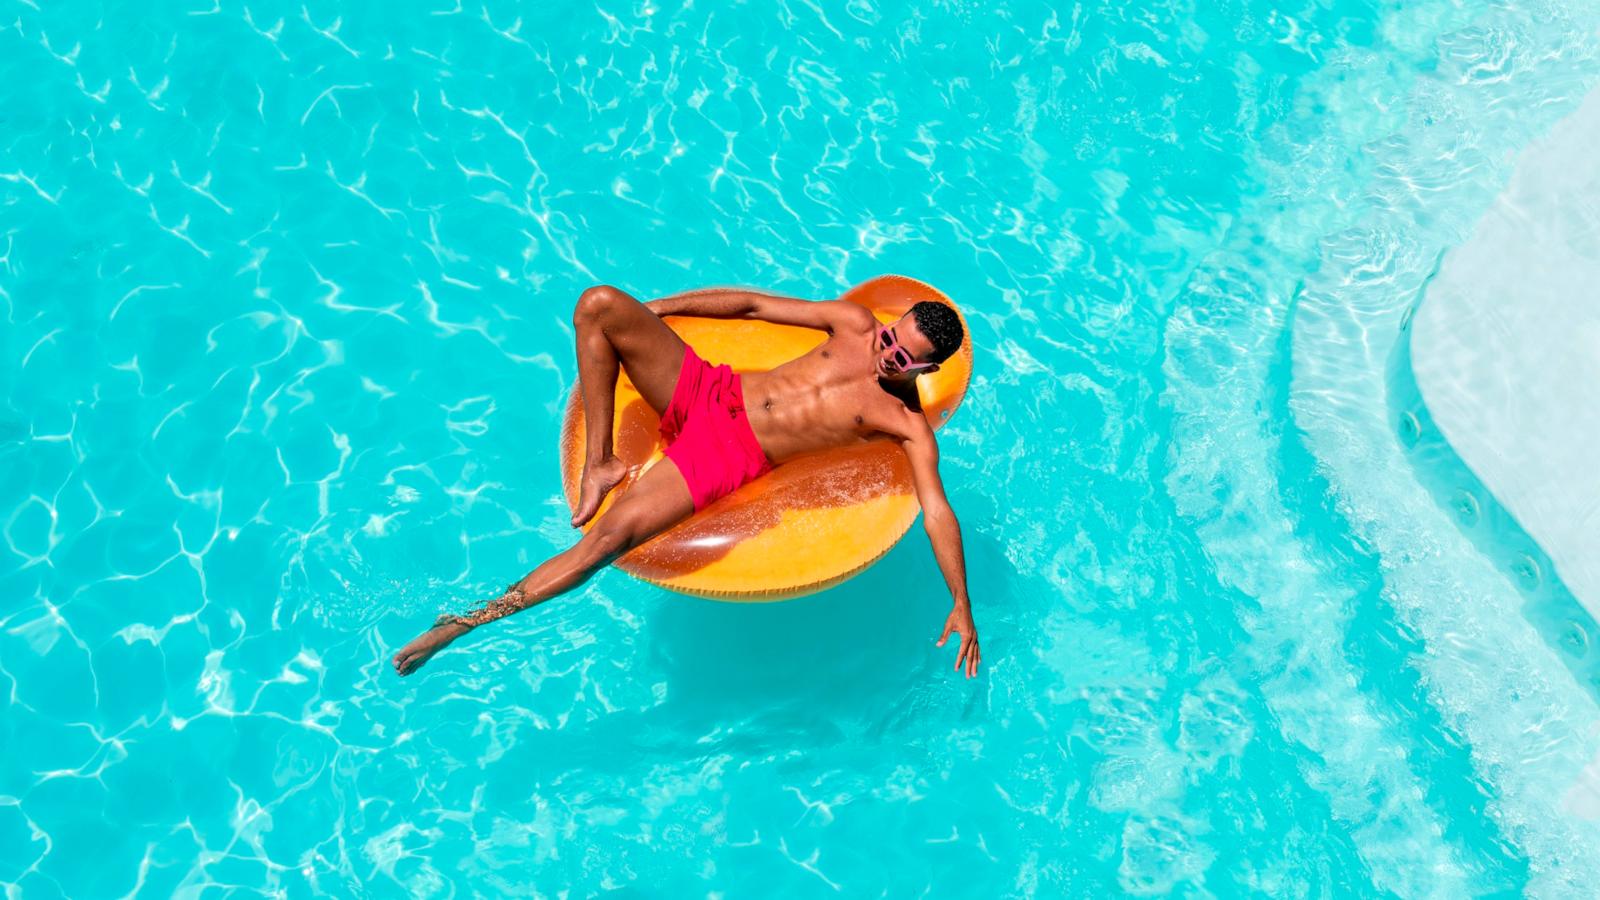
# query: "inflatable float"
(809, 523)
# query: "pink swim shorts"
(707, 432)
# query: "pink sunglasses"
(903, 360)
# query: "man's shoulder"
(852, 316)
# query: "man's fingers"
(967, 655)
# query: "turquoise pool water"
(287, 293)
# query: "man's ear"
(933, 370)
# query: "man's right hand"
(960, 622)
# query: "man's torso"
(830, 397)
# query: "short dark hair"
(939, 324)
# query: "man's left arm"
(944, 533)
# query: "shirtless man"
(856, 386)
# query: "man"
(726, 429)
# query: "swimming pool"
(288, 293)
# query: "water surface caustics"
(287, 292)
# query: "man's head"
(929, 333)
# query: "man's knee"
(596, 301)
(608, 540)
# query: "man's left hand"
(960, 621)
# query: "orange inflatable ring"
(808, 524)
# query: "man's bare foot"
(597, 481)
(413, 655)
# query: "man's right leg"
(615, 329)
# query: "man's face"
(903, 336)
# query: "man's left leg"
(656, 502)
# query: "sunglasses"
(901, 357)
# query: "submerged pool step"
(1226, 481)
(1493, 672)
(1467, 728)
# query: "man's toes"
(586, 507)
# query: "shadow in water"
(852, 662)
(851, 667)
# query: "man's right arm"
(738, 303)
(714, 303)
